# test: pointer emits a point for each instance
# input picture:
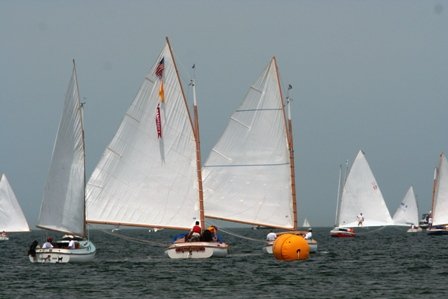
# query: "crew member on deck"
(195, 233)
(360, 218)
(271, 237)
(309, 234)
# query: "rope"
(132, 239)
(241, 236)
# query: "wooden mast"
(198, 157)
(195, 126)
(289, 134)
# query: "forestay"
(12, 218)
(407, 212)
(147, 175)
(63, 198)
(361, 194)
(247, 176)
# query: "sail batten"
(12, 218)
(147, 176)
(247, 176)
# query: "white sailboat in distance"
(150, 174)
(407, 213)
(249, 174)
(439, 213)
(12, 218)
(63, 204)
(361, 196)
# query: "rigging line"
(132, 239)
(241, 236)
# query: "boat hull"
(342, 233)
(4, 238)
(311, 243)
(437, 231)
(197, 250)
(85, 253)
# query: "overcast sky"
(370, 75)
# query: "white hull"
(312, 243)
(415, 230)
(197, 250)
(4, 238)
(85, 253)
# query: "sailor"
(271, 237)
(195, 233)
(71, 244)
(360, 219)
(309, 234)
(48, 244)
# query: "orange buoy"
(291, 247)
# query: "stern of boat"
(196, 250)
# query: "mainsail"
(440, 200)
(12, 218)
(407, 212)
(63, 205)
(147, 175)
(248, 174)
(361, 194)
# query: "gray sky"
(367, 74)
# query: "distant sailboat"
(63, 205)
(306, 223)
(12, 218)
(439, 212)
(407, 212)
(360, 194)
(249, 174)
(150, 174)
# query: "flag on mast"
(158, 122)
(160, 68)
(161, 92)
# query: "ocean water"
(385, 263)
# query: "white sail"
(440, 201)
(361, 194)
(148, 177)
(12, 218)
(63, 199)
(407, 212)
(306, 223)
(247, 176)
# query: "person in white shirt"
(71, 244)
(271, 237)
(48, 244)
(360, 218)
(309, 234)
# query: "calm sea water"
(387, 263)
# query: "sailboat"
(360, 196)
(12, 218)
(306, 223)
(249, 174)
(407, 213)
(439, 213)
(63, 204)
(150, 174)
